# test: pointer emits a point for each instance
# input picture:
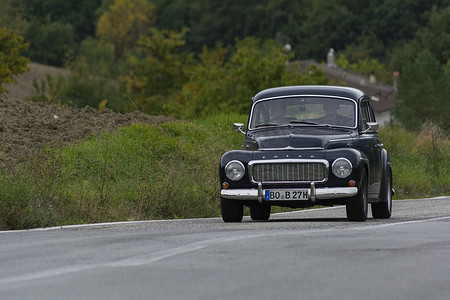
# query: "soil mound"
(26, 127)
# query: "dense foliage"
(424, 90)
(185, 58)
(310, 26)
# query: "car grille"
(289, 172)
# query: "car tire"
(260, 212)
(232, 210)
(383, 209)
(357, 206)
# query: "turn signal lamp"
(225, 185)
(352, 183)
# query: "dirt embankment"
(26, 127)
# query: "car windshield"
(303, 110)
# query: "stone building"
(383, 95)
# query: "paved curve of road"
(313, 254)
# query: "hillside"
(26, 127)
(24, 86)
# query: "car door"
(370, 145)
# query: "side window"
(372, 114)
(365, 115)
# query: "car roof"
(327, 90)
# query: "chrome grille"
(288, 171)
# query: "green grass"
(420, 161)
(139, 172)
(147, 172)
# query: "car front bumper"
(313, 193)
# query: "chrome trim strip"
(260, 192)
(319, 193)
(331, 193)
(291, 148)
(312, 192)
(341, 140)
(240, 194)
(288, 160)
(304, 95)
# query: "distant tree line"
(374, 27)
(187, 57)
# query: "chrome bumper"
(314, 193)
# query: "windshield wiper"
(303, 122)
(266, 124)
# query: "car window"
(365, 115)
(372, 114)
(317, 110)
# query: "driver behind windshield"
(277, 111)
(332, 115)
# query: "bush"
(420, 162)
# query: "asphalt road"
(314, 254)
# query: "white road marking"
(76, 226)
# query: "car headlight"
(234, 170)
(342, 167)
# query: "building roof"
(383, 95)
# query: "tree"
(327, 25)
(13, 15)
(11, 62)
(365, 66)
(435, 37)
(225, 82)
(158, 68)
(423, 92)
(56, 28)
(124, 23)
(51, 42)
(80, 14)
(92, 76)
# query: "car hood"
(300, 138)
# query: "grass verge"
(170, 171)
(139, 172)
(420, 161)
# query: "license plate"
(286, 195)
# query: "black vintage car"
(306, 146)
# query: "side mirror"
(372, 127)
(239, 127)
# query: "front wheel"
(260, 212)
(383, 209)
(232, 210)
(357, 206)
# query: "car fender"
(386, 169)
(358, 159)
(240, 155)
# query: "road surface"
(312, 254)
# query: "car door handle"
(379, 145)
